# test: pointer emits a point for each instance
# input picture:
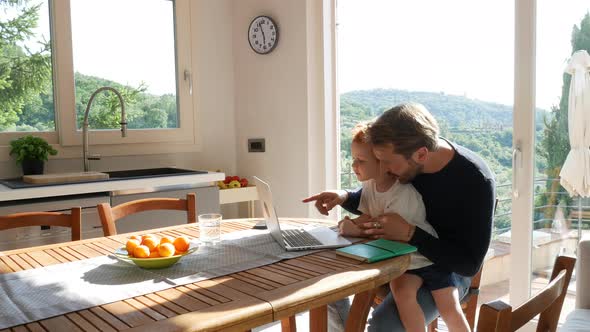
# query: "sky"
(458, 47)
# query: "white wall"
(277, 96)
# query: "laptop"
(295, 239)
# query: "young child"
(384, 194)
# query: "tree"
(105, 112)
(555, 142)
(24, 74)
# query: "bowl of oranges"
(153, 252)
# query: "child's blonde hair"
(360, 133)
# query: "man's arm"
(462, 248)
(351, 204)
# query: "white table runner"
(54, 290)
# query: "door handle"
(188, 76)
(516, 164)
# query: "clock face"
(263, 34)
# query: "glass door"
(558, 217)
(546, 219)
(456, 58)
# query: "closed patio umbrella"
(575, 173)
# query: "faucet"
(85, 124)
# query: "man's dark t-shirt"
(459, 201)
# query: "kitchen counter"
(122, 186)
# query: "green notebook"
(375, 251)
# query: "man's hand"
(389, 226)
(327, 200)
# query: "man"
(458, 190)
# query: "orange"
(141, 252)
(166, 249)
(181, 244)
(131, 245)
(165, 239)
(135, 237)
(151, 242)
(154, 254)
(143, 237)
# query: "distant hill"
(456, 112)
(484, 127)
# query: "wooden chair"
(26, 219)
(468, 302)
(499, 316)
(109, 215)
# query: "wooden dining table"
(235, 302)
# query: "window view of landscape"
(26, 89)
(405, 59)
(461, 68)
(142, 68)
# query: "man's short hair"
(408, 127)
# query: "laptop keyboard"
(299, 238)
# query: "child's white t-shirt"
(402, 199)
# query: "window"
(26, 87)
(106, 43)
(133, 53)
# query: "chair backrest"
(27, 219)
(109, 215)
(499, 316)
(583, 274)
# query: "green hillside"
(483, 127)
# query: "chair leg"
(361, 304)
(288, 324)
(470, 311)
(432, 327)
(318, 319)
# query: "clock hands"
(263, 36)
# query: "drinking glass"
(210, 228)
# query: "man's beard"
(414, 170)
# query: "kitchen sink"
(150, 172)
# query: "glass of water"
(210, 228)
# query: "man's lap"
(385, 317)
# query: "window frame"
(68, 135)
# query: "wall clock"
(263, 34)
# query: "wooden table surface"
(236, 302)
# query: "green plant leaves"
(31, 147)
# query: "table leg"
(357, 317)
(318, 319)
(288, 324)
(251, 210)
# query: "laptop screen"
(268, 210)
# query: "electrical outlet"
(256, 145)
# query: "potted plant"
(31, 152)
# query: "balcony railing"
(504, 206)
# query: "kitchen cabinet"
(207, 202)
(34, 236)
(89, 195)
